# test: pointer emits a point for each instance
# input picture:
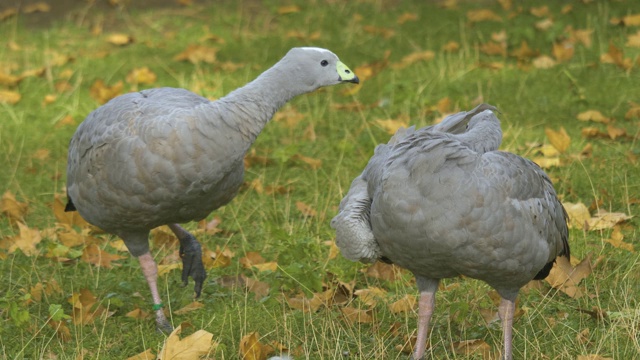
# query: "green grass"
(255, 34)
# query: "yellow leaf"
(559, 139)
(370, 296)
(451, 46)
(615, 56)
(189, 308)
(12, 208)
(289, 9)
(616, 240)
(405, 304)
(313, 163)
(592, 357)
(36, 7)
(102, 93)
(92, 254)
(194, 346)
(482, 15)
(9, 97)
(544, 25)
(634, 111)
(267, 266)
(119, 39)
(413, 58)
(579, 215)
(633, 40)
(615, 132)
(141, 76)
(386, 33)
(145, 355)
(566, 278)
(541, 11)
(593, 115)
(26, 241)
(631, 20)
(9, 80)
(380, 270)
(137, 313)
(607, 220)
(524, 51)
(252, 349)
(506, 4)
(197, 53)
(391, 125)
(545, 162)
(494, 48)
(472, 347)
(333, 249)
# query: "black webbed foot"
(192, 266)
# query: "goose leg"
(506, 311)
(426, 304)
(191, 254)
(150, 271)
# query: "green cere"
(345, 73)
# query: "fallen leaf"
(592, 357)
(26, 240)
(413, 58)
(391, 126)
(615, 132)
(523, 52)
(301, 302)
(9, 80)
(250, 259)
(12, 208)
(260, 289)
(195, 305)
(593, 115)
(334, 251)
(482, 15)
(582, 36)
(615, 56)
(370, 296)
(451, 46)
(314, 164)
(408, 16)
(383, 271)
(544, 25)
(252, 349)
(405, 304)
(305, 209)
(145, 355)
(138, 313)
(267, 266)
(616, 240)
(541, 11)
(472, 347)
(8, 12)
(559, 139)
(566, 278)
(289, 9)
(543, 62)
(120, 39)
(607, 220)
(61, 329)
(289, 115)
(494, 48)
(197, 53)
(192, 347)
(9, 97)
(357, 316)
(92, 254)
(631, 20)
(141, 76)
(545, 162)
(633, 40)
(563, 51)
(103, 93)
(385, 33)
(579, 215)
(86, 308)
(40, 6)
(633, 112)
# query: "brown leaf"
(334, 251)
(541, 11)
(357, 316)
(103, 93)
(12, 208)
(407, 16)
(616, 240)
(370, 296)
(451, 46)
(252, 349)
(301, 302)
(194, 346)
(259, 288)
(583, 36)
(8, 12)
(92, 254)
(9, 80)
(544, 25)
(559, 139)
(543, 62)
(305, 209)
(413, 58)
(385, 33)
(615, 56)
(314, 164)
(615, 132)
(494, 48)
(633, 112)
(524, 52)
(392, 125)
(563, 51)
(472, 347)
(566, 278)
(406, 304)
(289, 115)
(26, 240)
(197, 53)
(592, 357)
(250, 259)
(86, 308)
(62, 330)
(482, 15)
(633, 40)
(138, 313)
(546, 162)
(380, 270)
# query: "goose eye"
(324, 63)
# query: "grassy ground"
(372, 39)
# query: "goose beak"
(345, 74)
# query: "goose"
(443, 201)
(167, 156)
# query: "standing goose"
(442, 201)
(168, 156)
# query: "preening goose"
(442, 201)
(168, 156)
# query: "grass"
(256, 35)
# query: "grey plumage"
(167, 156)
(442, 201)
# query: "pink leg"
(506, 311)
(425, 310)
(150, 271)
